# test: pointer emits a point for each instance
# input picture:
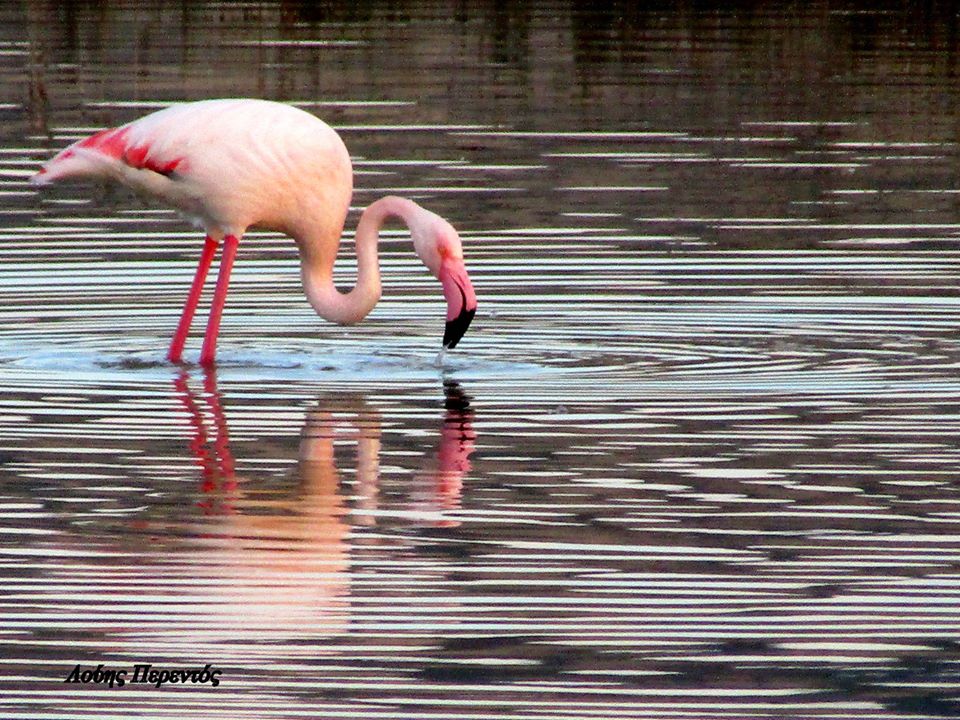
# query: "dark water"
(697, 458)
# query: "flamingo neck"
(317, 267)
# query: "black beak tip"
(457, 327)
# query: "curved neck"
(317, 267)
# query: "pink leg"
(183, 329)
(209, 350)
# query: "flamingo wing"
(112, 153)
(179, 156)
(225, 164)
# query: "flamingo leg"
(190, 308)
(209, 350)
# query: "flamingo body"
(228, 165)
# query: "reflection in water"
(277, 565)
(216, 461)
(348, 416)
(437, 487)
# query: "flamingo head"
(438, 247)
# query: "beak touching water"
(461, 300)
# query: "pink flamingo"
(230, 164)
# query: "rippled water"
(696, 458)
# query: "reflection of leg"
(230, 243)
(198, 444)
(214, 457)
(221, 441)
(193, 297)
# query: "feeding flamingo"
(231, 164)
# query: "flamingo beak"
(461, 300)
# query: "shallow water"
(696, 458)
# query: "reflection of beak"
(461, 300)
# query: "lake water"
(698, 456)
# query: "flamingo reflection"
(436, 488)
(279, 562)
(275, 564)
(216, 461)
(439, 485)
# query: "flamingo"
(230, 164)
